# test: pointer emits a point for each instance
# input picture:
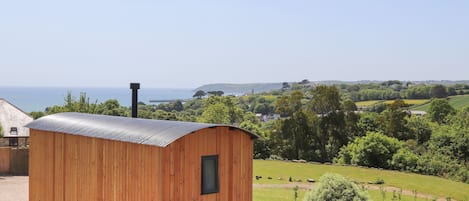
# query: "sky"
(185, 44)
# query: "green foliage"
(215, 113)
(216, 93)
(325, 99)
(1, 131)
(199, 94)
(334, 187)
(372, 150)
(419, 129)
(439, 91)
(261, 146)
(404, 160)
(37, 115)
(71, 104)
(439, 110)
(393, 121)
(287, 105)
(112, 107)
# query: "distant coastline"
(31, 99)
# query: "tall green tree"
(332, 134)
(439, 110)
(325, 99)
(82, 104)
(199, 94)
(289, 104)
(393, 120)
(439, 91)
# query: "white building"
(12, 121)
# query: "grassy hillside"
(407, 101)
(458, 102)
(241, 88)
(275, 194)
(421, 183)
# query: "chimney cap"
(135, 85)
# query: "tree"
(335, 187)
(199, 94)
(325, 99)
(372, 150)
(439, 110)
(216, 93)
(285, 86)
(261, 146)
(439, 91)
(303, 82)
(37, 115)
(419, 128)
(178, 106)
(287, 105)
(393, 121)
(112, 107)
(1, 131)
(71, 104)
(216, 113)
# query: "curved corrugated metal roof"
(141, 131)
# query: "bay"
(31, 99)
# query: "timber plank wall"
(70, 167)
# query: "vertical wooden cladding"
(182, 175)
(66, 167)
(69, 167)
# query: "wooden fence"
(14, 161)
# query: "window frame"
(217, 178)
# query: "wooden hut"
(84, 157)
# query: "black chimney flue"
(135, 87)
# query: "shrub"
(372, 150)
(334, 187)
(405, 160)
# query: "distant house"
(83, 157)
(12, 121)
(417, 112)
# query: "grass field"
(271, 194)
(421, 183)
(458, 102)
(407, 101)
(367, 103)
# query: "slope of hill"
(241, 88)
(458, 102)
(421, 183)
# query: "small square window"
(210, 174)
(13, 131)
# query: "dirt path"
(307, 186)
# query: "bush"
(372, 150)
(334, 187)
(404, 160)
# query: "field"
(411, 182)
(407, 101)
(458, 102)
(271, 194)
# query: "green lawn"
(274, 194)
(366, 103)
(425, 184)
(407, 101)
(458, 102)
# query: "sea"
(31, 99)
